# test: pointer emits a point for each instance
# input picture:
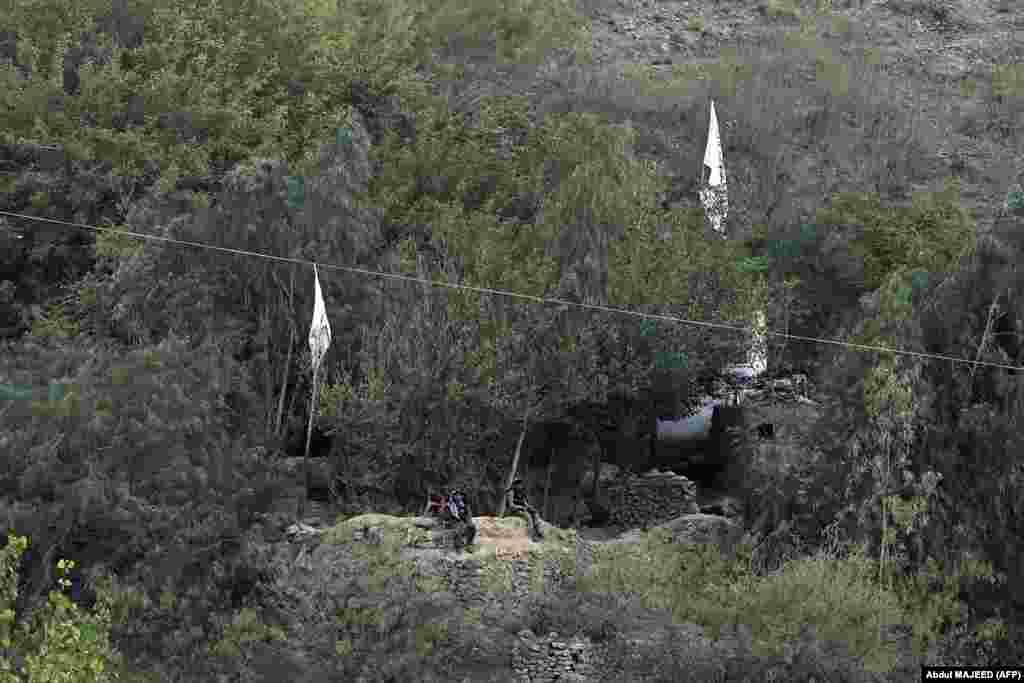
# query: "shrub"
(782, 8)
(841, 596)
(932, 234)
(245, 628)
(61, 643)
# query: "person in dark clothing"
(460, 512)
(518, 503)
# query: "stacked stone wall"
(551, 658)
(650, 499)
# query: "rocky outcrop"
(700, 529)
(322, 562)
(648, 500)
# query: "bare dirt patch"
(507, 536)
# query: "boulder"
(426, 522)
(700, 529)
(302, 532)
(609, 473)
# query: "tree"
(60, 642)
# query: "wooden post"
(512, 472)
(304, 499)
(595, 465)
(547, 488)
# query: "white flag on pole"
(320, 330)
(712, 191)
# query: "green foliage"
(428, 636)
(389, 617)
(54, 323)
(644, 269)
(694, 582)
(62, 644)
(840, 596)
(671, 360)
(296, 191)
(754, 264)
(407, 256)
(782, 8)
(496, 577)
(884, 392)
(428, 181)
(992, 630)
(931, 598)
(1008, 80)
(332, 396)
(241, 58)
(1015, 200)
(932, 234)
(245, 628)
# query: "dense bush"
(839, 593)
(918, 462)
(60, 642)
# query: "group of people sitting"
(456, 509)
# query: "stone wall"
(550, 658)
(649, 499)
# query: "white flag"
(713, 191)
(320, 330)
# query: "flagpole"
(319, 340)
(303, 501)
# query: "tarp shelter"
(696, 426)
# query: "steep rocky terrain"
(172, 464)
(926, 50)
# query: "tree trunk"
(284, 383)
(287, 362)
(515, 464)
(268, 393)
(595, 465)
(547, 489)
(981, 346)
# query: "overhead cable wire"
(520, 295)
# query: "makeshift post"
(515, 464)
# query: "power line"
(519, 295)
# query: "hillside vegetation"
(546, 148)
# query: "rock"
(653, 473)
(651, 499)
(426, 522)
(371, 535)
(609, 473)
(301, 532)
(701, 529)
